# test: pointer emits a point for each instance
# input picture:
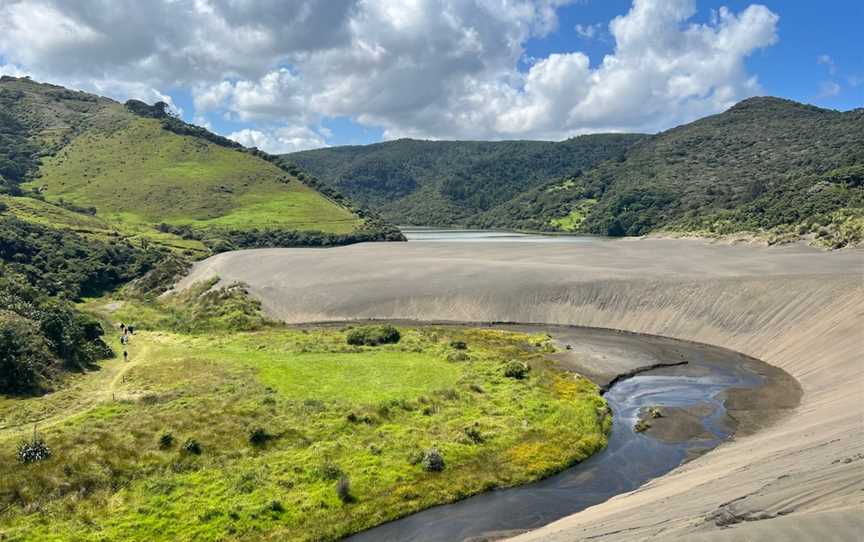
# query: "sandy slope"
(801, 478)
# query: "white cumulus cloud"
(280, 140)
(424, 68)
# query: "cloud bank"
(419, 68)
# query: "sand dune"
(801, 478)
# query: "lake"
(413, 233)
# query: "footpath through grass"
(341, 435)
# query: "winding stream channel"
(630, 459)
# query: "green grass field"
(333, 410)
(144, 175)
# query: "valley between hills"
(203, 341)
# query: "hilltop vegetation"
(144, 172)
(774, 167)
(764, 164)
(446, 182)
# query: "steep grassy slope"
(765, 163)
(445, 182)
(142, 173)
(150, 175)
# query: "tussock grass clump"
(259, 437)
(516, 369)
(373, 335)
(343, 489)
(432, 461)
(166, 441)
(192, 446)
(33, 451)
(473, 433)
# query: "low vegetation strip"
(290, 434)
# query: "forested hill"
(770, 166)
(448, 182)
(766, 164)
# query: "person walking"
(125, 355)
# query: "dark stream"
(630, 459)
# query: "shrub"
(373, 335)
(343, 489)
(516, 369)
(473, 434)
(166, 440)
(276, 507)
(353, 417)
(191, 446)
(432, 461)
(259, 436)
(25, 359)
(32, 451)
(330, 470)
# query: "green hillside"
(142, 173)
(447, 182)
(767, 165)
(148, 174)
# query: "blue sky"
(271, 75)
(790, 68)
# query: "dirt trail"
(99, 387)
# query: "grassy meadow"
(283, 433)
(141, 174)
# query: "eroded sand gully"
(801, 478)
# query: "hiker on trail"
(123, 328)
(124, 339)
(131, 329)
(125, 355)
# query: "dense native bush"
(447, 182)
(39, 335)
(373, 335)
(19, 157)
(63, 262)
(26, 363)
(764, 163)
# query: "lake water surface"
(472, 236)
